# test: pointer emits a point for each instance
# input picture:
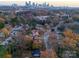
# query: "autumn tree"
(37, 44)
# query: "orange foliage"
(68, 33)
(28, 38)
(37, 43)
(51, 54)
(69, 42)
(44, 54)
(7, 55)
(5, 31)
(71, 38)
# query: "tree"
(32, 23)
(1, 25)
(20, 46)
(2, 51)
(22, 20)
(71, 37)
(5, 31)
(14, 50)
(37, 44)
(14, 21)
(44, 54)
(68, 33)
(7, 55)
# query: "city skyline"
(71, 3)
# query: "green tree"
(14, 21)
(2, 51)
(32, 23)
(1, 25)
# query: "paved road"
(57, 32)
(47, 43)
(10, 37)
(46, 38)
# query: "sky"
(72, 3)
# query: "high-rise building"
(14, 5)
(45, 4)
(36, 5)
(33, 4)
(27, 3)
(48, 4)
(30, 3)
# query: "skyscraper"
(29, 3)
(33, 4)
